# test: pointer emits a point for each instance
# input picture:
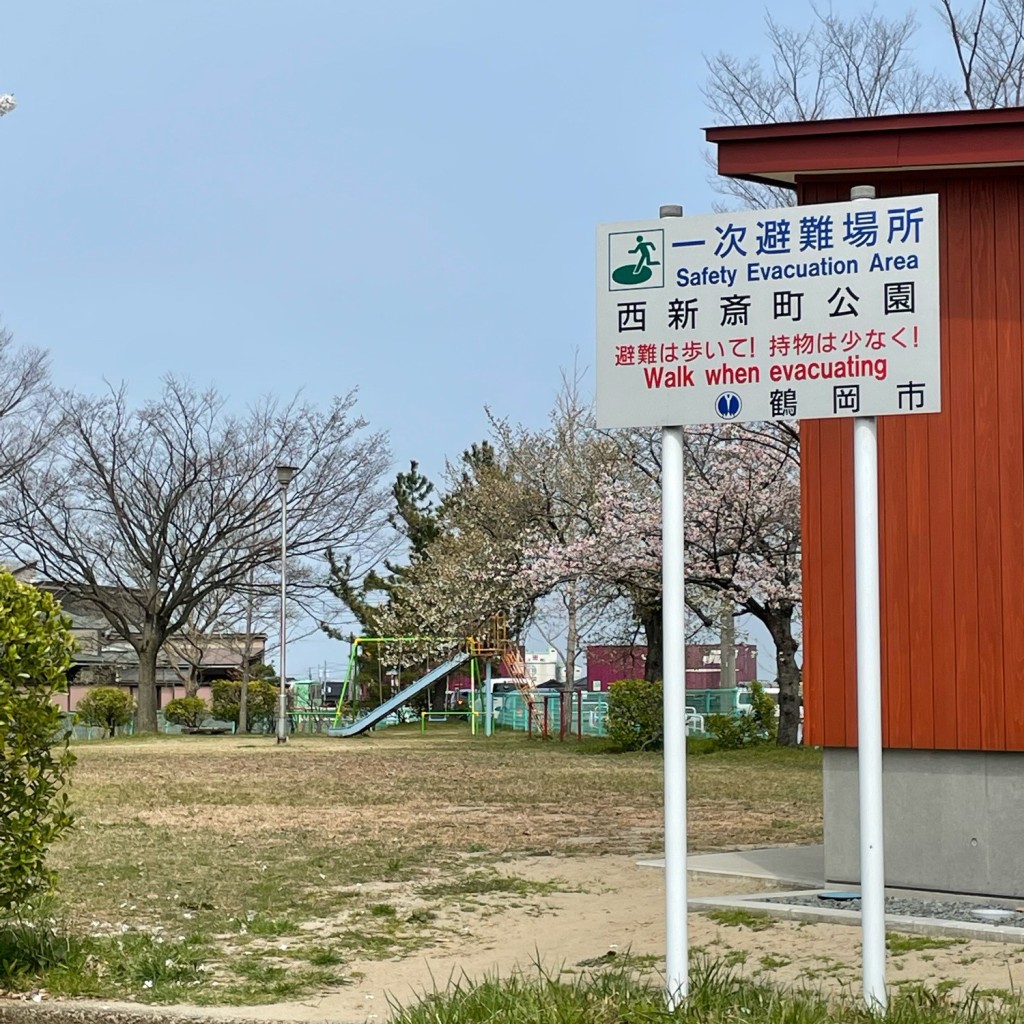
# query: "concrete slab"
(805, 866)
(757, 903)
(798, 865)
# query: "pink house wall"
(69, 701)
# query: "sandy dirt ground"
(613, 909)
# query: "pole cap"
(862, 192)
(670, 210)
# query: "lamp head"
(285, 474)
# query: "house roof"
(216, 649)
(951, 140)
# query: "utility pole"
(727, 645)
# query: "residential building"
(607, 663)
(544, 667)
(102, 657)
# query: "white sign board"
(808, 312)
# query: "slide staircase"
(515, 665)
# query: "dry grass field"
(318, 881)
(230, 870)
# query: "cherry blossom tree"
(502, 498)
(562, 464)
(742, 541)
(743, 536)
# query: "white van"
(744, 699)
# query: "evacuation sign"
(807, 312)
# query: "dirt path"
(617, 909)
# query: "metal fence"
(86, 733)
(587, 713)
(583, 713)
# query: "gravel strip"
(946, 910)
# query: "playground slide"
(385, 709)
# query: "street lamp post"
(284, 478)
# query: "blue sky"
(318, 195)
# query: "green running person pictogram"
(637, 273)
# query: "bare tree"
(864, 65)
(148, 512)
(233, 621)
(215, 625)
(228, 621)
(26, 417)
(989, 44)
(792, 87)
(872, 68)
(838, 67)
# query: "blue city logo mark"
(728, 405)
(635, 259)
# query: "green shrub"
(261, 703)
(765, 712)
(730, 732)
(35, 652)
(635, 716)
(757, 726)
(186, 711)
(107, 707)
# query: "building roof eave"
(947, 141)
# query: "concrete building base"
(954, 820)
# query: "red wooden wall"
(951, 505)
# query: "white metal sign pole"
(674, 703)
(869, 701)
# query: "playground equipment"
(385, 708)
(370, 719)
(492, 645)
(495, 644)
(537, 712)
(536, 707)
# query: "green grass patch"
(326, 957)
(135, 965)
(738, 917)
(259, 983)
(897, 942)
(618, 995)
(31, 948)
